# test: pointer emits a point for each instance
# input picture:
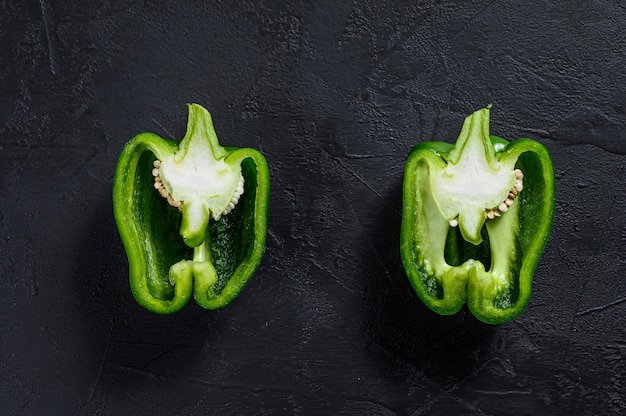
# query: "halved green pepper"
(192, 216)
(476, 217)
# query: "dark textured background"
(335, 94)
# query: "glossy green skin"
(464, 279)
(149, 228)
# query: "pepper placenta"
(192, 215)
(476, 217)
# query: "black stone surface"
(335, 94)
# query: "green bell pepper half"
(476, 217)
(192, 216)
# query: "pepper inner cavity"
(457, 251)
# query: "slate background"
(335, 94)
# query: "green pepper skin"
(493, 273)
(150, 228)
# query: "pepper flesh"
(471, 231)
(211, 246)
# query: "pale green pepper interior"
(468, 182)
(473, 180)
(200, 176)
